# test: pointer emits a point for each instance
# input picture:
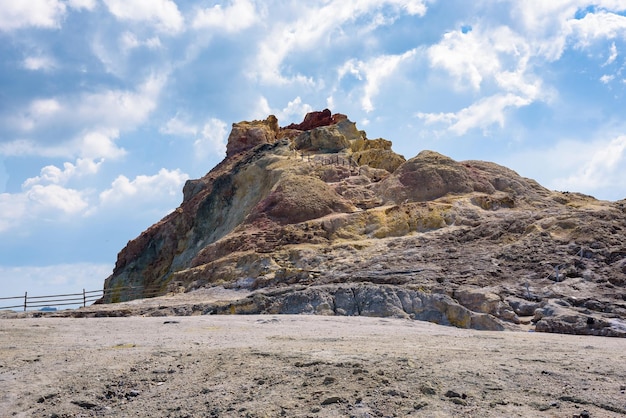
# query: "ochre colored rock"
(325, 221)
(384, 159)
(297, 199)
(331, 139)
(246, 135)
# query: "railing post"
(84, 298)
(25, 298)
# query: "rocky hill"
(316, 218)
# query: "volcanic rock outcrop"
(317, 218)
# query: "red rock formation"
(278, 212)
(316, 119)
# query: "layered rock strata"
(317, 218)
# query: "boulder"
(427, 176)
(297, 199)
(246, 135)
(379, 158)
(332, 138)
(485, 300)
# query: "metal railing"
(87, 297)
(26, 302)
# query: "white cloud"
(179, 126)
(482, 114)
(606, 79)
(12, 209)
(212, 139)
(27, 147)
(612, 54)
(601, 167)
(294, 111)
(601, 25)
(549, 24)
(37, 13)
(315, 28)
(487, 59)
(99, 144)
(375, 71)
(491, 54)
(594, 166)
(82, 4)
(240, 15)
(143, 189)
(91, 145)
(128, 41)
(51, 174)
(55, 197)
(44, 107)
(102, 111)
(38, 111)
(209, 138)
(262, 109)
(39, 62)
(164, 14)
(120, 108)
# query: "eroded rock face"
(319, 219)
(246, 135)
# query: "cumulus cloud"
(38, 13)
(209, 137)
(601, 25)
(92, 144)
(104, 110)
(51, 174)
(491, 54)
(482, 114)
(375, 71)
(163, 14)
(212, 140)
(607, 78)
(601, 167)
(239, 15)
(315, 29)
(179, 125)
(54, 197)
(143, 189)
(293, 112)
(40, 202)
(39, 62)
(497, 57)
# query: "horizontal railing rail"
(70, 299)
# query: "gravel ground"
(301, 366)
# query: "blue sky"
(108, 106)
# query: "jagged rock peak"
(249, 134)
(245, 135)
(316, 119)
(317, 218)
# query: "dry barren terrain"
(301, 366)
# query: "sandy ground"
(301, 366)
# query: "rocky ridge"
(317, 218)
